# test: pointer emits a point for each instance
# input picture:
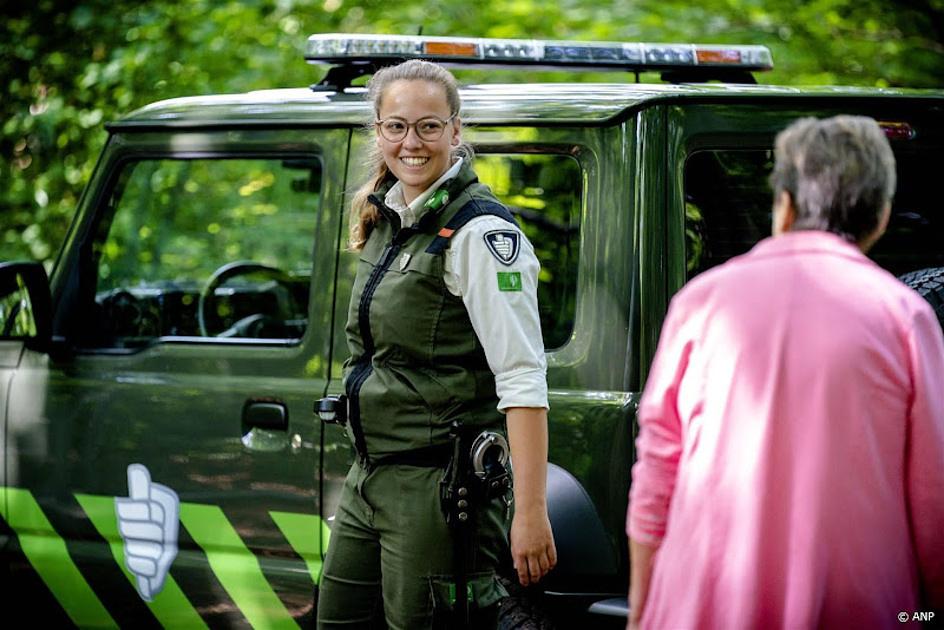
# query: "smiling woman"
(418, 152)
(446, 345)
(406, 150)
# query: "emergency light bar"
(340, 49)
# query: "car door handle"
(271, 415)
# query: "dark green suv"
(161, 462)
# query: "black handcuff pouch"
(477, 473)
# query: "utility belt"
(475, 461)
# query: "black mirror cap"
(30, 276)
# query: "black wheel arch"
(584, 550)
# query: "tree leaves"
(68, 69)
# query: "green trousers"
(391, 555)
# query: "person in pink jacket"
(790, 469)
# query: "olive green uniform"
(417, 369)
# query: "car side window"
(205, 248)
(543, 192)
(728, 210)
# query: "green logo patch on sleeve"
(509, 280)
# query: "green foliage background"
(66, 68)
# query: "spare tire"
(523, 609)
(929, 283)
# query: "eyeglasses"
(428, 129)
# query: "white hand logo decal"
(148, 523)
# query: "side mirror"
(25, 304)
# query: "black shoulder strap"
(474, 208)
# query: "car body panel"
(255, 516)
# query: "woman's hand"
(641, 560)
(532, 543)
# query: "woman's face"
(417, 163)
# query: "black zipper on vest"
(364, 367)
(363, 309)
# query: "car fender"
(583, 547)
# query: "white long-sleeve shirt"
(506, 321)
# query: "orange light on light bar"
(718, 56)
(451, 48)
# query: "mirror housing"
(25, 304)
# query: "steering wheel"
(225, 273)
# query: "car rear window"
(728, 210)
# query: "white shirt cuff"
(521, 388)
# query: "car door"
(577, 215)
(162, 459)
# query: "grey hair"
(363, 215)
(839, 172)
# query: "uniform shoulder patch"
(504, 245)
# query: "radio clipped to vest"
(437, 200)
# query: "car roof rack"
(355, 55)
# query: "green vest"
(416, 364)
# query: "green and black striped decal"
(95, 597)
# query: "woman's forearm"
(532, 542)
(527, 437)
